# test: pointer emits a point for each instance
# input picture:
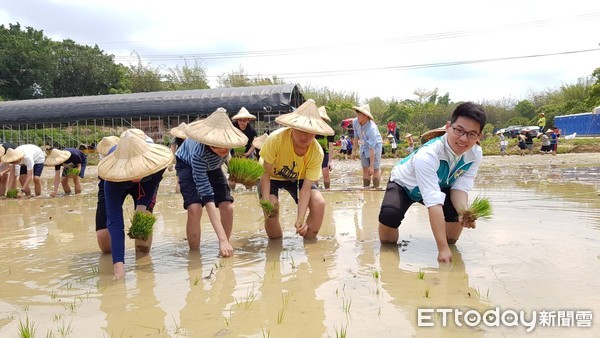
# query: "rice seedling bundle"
(239, 151)
(245, 171)
(12, 193)
(141, 225)
(271, 211)
(71, 172)
(480, 208)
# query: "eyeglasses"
(471, 135)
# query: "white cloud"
(365, 45)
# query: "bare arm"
(303, 198)
(265, 182)
(225, 247)
(27, 181)
(56, 181)
(438, 228)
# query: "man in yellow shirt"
(292, 160)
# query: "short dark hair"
(471, 111)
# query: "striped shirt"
(202, 159)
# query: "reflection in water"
(131, 305)
(539, 251)
(443, 287)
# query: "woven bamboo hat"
(105, 144)
(364, 110)
(243, 114)
(216, 131)
(2, 150)
(408, 135)
(323, 113)
(433, 133)
(179, 131)
(306, 118)
(133, 159)
(259, 141)
(57, 157)
(12, 155)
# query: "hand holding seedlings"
(480, 208)
(301, 228)
(270, 210)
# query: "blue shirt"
(369, 135)
(202, 159)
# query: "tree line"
(34, 66)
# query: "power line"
(356, 45)
(420, 66)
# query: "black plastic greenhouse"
(85, 119)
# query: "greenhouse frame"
(82, 121)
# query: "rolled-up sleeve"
(466, 181)
(426, 166)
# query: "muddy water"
(540, 251)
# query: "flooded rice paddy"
(539, 252)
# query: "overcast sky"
(475, 50)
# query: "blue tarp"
(584, 124)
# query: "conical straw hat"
(306, 118)
(217, 131)
(179, 131)
(323, 113)
(243, 114)
(105, 144)
(2, 150)
(12, 155)
(433, 133)
(364, 110)
(408, 135)
(133, 159)
(259, 141)
(57, 157)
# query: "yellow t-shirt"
(278, 150)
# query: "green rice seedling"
(376, 274)
(71, 172)
(270, 210)
(342, 332)
(346, 304)
(53, 294)
(265, 334)
(141, 225)
(239, 151)
(196, 280)
(65, 329)
(245, 171)
(178, 329)
(247, 301)
(421, 274)
(285, 297)
(12, 193)
(26, 329)
(427, 292)
(480, 208)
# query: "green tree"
(525, 109)
(187, 77)
(83, 70)
(144, 79)
(593, 98)
(27, 65)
